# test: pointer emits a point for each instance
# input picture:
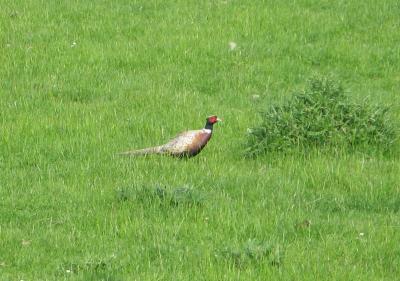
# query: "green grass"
(82, 80)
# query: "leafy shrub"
(322, 116)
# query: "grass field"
(82, 80)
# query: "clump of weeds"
(322, 116)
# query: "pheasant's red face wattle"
(212, 119)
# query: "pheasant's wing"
(182, 142)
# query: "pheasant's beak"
(219, 120)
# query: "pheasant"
(186, 144)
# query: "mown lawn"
(82, 80)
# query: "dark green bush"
(322, 116)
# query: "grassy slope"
(139, 73)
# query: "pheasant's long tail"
(143, 152)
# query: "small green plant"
(186, 196)
(253, 251)
(322, 116)
(142, 194)
(97, 269)
(160, 194)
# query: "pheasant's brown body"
(186, 144)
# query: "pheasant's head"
(213, 119)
